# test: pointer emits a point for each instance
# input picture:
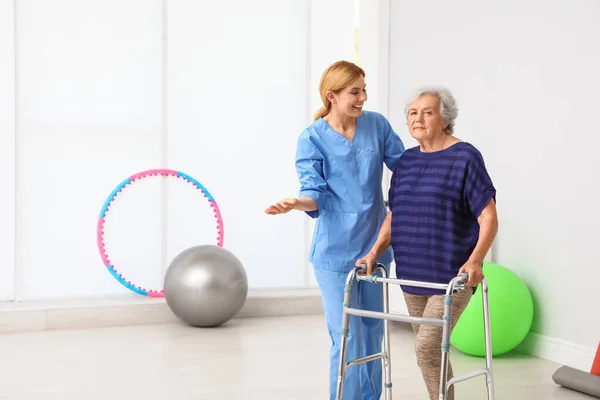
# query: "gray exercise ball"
(205, 286)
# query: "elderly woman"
(442, 221)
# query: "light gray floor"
(261, 358)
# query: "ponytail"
(321, 113)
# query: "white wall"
(92, 93)
(236, 105)
(525, 74)
(7, 150)
(89, 107)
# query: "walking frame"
(456, 284)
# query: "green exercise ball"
(511, 314)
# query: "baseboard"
(119, 311)
(558, 351)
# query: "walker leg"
(488, 341)
(387, 359)
(344, 339)
(448, 299)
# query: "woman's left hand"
(475, 271)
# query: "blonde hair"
(336, 77)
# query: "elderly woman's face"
(424, 118)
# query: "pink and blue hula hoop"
(100, 229)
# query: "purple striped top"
(435, 199)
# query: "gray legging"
(429, 338)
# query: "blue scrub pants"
(363, 381)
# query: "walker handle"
(361, 268)
(464, 278)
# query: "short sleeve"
(479, 189)
(393, 145)
(309, 167)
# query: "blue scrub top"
(344, 178)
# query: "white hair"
(448, 107)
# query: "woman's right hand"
(282, 207)
(370, 260)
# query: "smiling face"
(424, 118)
(350, 100)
